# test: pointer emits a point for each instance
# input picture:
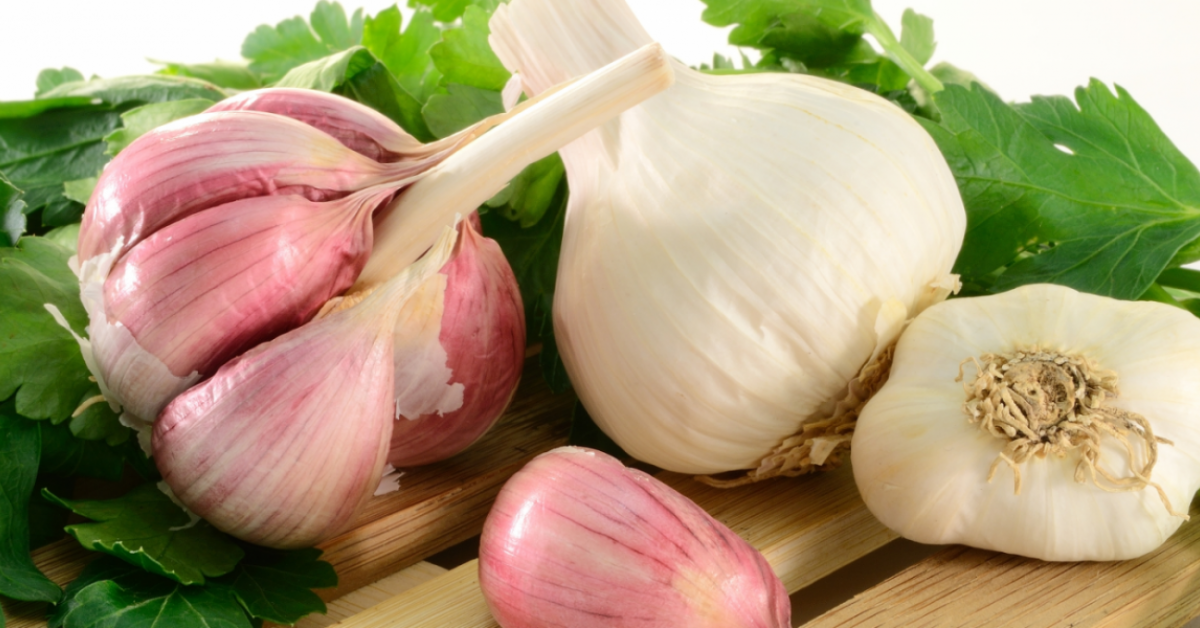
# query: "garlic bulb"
(576, 539)
(285, 443)
(475, 320)
(736, 249)
(194, 176)
(1041, 422)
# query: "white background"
(1019, 47)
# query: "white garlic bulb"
(736, 248)
(1042, 422)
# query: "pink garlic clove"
(214, 158)
(576, 539)
(285, 443)
(204, 289)
(482, 332)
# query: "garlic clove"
(204, 289)
(730, 243)
(577, 539)
(927, 468)
(210, 159)
(286, 442)
(481, 330)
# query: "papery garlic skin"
(736, 248)
(202, 290)
(922, 466)
(576, 539)
(481, 329)
(285, 443)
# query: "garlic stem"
(483, 167)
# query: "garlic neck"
(1044, 402)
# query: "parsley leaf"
(50, 78)
(465, 57)
(147, 529)
(275, 585)
(225, 74)
(406, 54)
(450, 10)
(1092, 196)
(39, 360)
(67, 455)
(459, 107)
(112, 594)
(273, 51)
(20, 451)
(327, 73)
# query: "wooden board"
(960, 586)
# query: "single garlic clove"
(204, 289)
(576, 539)
(214, 158)
(481, 331)
(285, 443)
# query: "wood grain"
(361, 599)
(960, 586)
(806, 527)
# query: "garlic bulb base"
(1046, 403)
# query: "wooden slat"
(967, 587)
(806, 528)
(361, 599)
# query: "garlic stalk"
(474, 321)
(736, 249)
(1041, 422)
(224, 161)
(284, 444)
(576, 539)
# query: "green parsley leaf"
(460, 107)
(916, 36)
(406, 54)
(376, 88)
(276, 585)
(138, 89)
(112, 594)
(327, 73)
(80, 190)
(147, 529)
(67, 455)
(1094, 197)
(141, 120)
(39, 360)
(226, 74)
(20, 451)
(50, 78)
(465, 57)
(273, 51)
(530, 194)
(450, 10)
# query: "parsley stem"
(886, 38)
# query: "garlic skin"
(481, 329)
(202, 290)
(576, 539)
(736, 248)
(922, 466)
(286, 442)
